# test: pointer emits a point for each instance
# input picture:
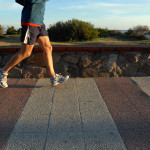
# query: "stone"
(32, 71)
(71, 59)
(128, 69)
(85, 61)
(147, 69)
(131, 69)
(1, 60)
(104, 74)
(146, 56)
(111, 62)
(142, 62)
(132, 57)
(37, 59)
(89, 72)
(98, 63)
(15, 72)
(6, 59)
(148, 62)
(140, 74)
(73, 70)
(56, 58)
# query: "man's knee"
(48, 49)
(25, 54)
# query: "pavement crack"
(46, 136)
(77, 92)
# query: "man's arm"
(37, 1)
(21, 2)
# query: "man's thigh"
(29, 34)
(44, 42)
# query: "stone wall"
(83, 64)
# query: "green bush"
(1, 30)
(18, 31)
(137, 32)
(115, 33)
(72, 30)
(11, 30)
(103, 32)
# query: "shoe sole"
(3, 86)
(61, 82)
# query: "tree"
(137, 32)
(11, 30)
(116, 33)
(19, 31)
(103, 32)
(72, 30)
(1, 30)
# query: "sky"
(111, 14)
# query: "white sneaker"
(58, 78)
(3, 79)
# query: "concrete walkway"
(81, 114)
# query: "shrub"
(11, 30)
(72, 30)
(137, 32)
(116, 33)
(103, 32)
(1, 30)
(19, 31)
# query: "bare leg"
(22, 54)
(46, 46)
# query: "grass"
(12, 40)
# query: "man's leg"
(46, 46)
(44, 42)
(22, 54)
(25, 52)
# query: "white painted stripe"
(143, 83)
(27, 36)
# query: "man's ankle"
(4, 72)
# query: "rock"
(1, 60)
(145, 60)
(56, 58)
(148, 62)
(118, 72)
(140, 74)
(85, 61)
(89, 72)
(128, 69)
(73, 70)
(104, 74)
(111, 62)
(98, 63)
(147, 69)
(71, 59)
(15, 73)
(146, 56)
(132, 57)
(34, 72)
(131, 69)
(142, 62)
(6, 59)
(37, 59)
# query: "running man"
(33, 29)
